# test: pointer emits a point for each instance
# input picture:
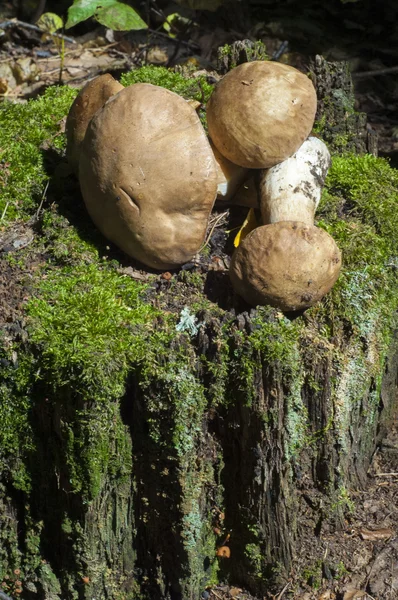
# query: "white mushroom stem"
(230, 176)
(291, 190)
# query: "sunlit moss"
(27, 133)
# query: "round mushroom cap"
(289, 265)
(90, 99)
(260, 113)
(148, 176)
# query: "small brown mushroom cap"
(148, 176)
(260, 113)
(289, 265)
(91, 98)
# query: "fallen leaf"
(249, 224)
(234, 591)
(354, 595)
(384, 533)
(328, 595)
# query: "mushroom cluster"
(149, 176)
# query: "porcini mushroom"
(148, 175)
(289, 265)
(230, 176)
(90, 99)
(260, 113)
(291, 190)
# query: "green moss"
(15, 404)
(190, 88)
(25, 130)
(312, 575)
(90, 324)
(254, 555)
(65, 243)
(357, 209)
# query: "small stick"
(376, 73)
(3, 215)
(42, 199)
(16, 22)
(284, 590)
(281, 50)
(386, 475)
(212, 229)
(174, 40)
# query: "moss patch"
(190, 88)
(25, 130)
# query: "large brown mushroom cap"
(260, 113)
(289, 265)
(90, 99)
(148, 175)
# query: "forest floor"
(358, 558)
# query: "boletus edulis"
(91, 98)
(260, 113)
(289, 265)
(148, 176)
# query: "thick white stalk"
(291, 190)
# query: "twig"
(175, 40)
(42, 199)
(281, 50)
(284, 590)
(386, 474)
(375, 73)
(16, 22)
(218, 219)
(4, 211)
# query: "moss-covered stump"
(154, 440)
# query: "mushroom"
(247, 194)
(90, 99)
(260, 113)
(230, 177)
(291, 190)
(148, 176)
(289, 265)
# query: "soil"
(354, 558)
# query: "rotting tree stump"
(250, 429)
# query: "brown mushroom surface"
(289, 265)
(260, 113)
(91, 98)
(148, 176)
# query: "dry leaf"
(249, 224)
(354, 595)
(384, 533)
(234, 591)
(328, 595)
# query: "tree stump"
(236, 434)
